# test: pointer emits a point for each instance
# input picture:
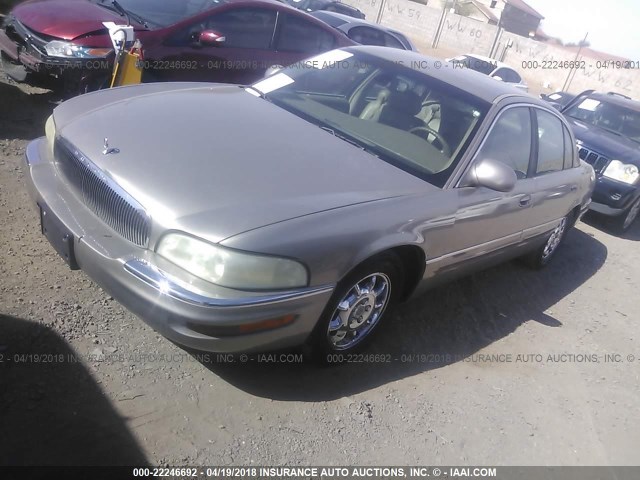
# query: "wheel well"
(413, 263)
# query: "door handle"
(526, 200)
(574, 188)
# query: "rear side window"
(373, 36)
(245, 27)
(299, 35)
(343, 9)
(570, 154)
(509, 141)
(551, 149)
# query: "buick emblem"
(106, 150)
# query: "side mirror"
(491, 174)
(273, 69)
(499, 78)
(211, 38)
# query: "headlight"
(50, 132)
(231, 268)
(623, 172)
(57, 48)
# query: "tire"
(364, 297)
(541, 257)
(624, 221)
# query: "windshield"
(482, 66)
(403, 116)
(162, 14)
(608, 116)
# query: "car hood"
(66, 19)
(217, 161)
(606, 143)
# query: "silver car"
(365, 32)
(299, 208)
(493, 68)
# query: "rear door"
(297, 38)
(554, 173)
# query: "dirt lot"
(115, 392)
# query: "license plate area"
(58, 235)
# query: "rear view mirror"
(491, 174)
(210, 38)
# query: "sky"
(612, 24)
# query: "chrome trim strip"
(482, 248)
(159, 280)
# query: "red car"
(231, 41)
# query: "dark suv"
(607, 129)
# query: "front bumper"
(613, 198)
(149, 287)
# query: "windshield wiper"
(258, 92)
(129, 15)
(347, 139)
(341, 137)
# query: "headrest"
(407, 102)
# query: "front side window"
(509, 140)
(383, 107)
(242, 27)
(299, 35)
(511, 76)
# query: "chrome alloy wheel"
(359, 311)
(554, 239)
(631, 215)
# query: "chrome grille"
(102, 195)
(597, 161)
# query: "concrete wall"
(466, 35)
(591, 77)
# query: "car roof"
(353, 20)
(476, 83)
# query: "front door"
(486, 220)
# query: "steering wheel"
(444, 146)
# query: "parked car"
(231, 41)
(329, 6)
(558, 100)
(607, 128)
(493, 68)
(365, 33)
(298, 209)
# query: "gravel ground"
(506, 367)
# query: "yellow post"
(128, 69)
